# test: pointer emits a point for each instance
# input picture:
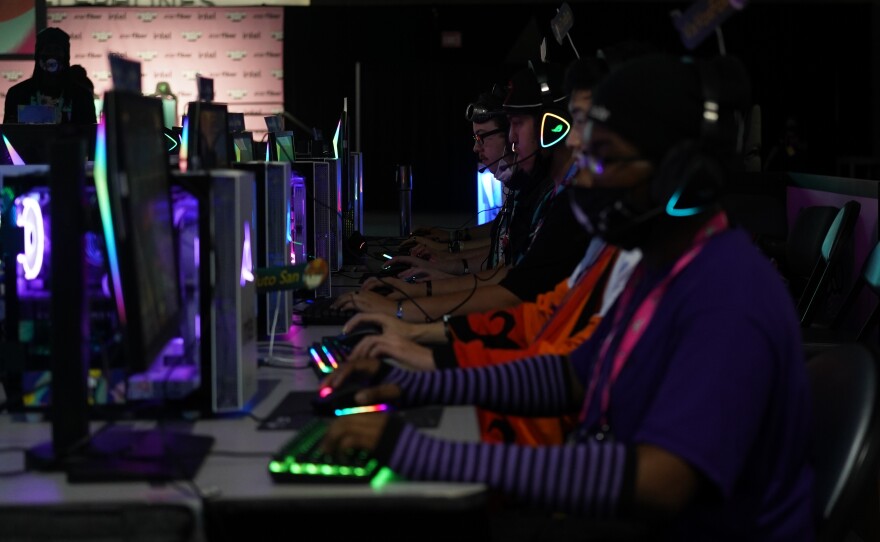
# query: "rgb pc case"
(273, 228)
(216, 220)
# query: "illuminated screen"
(282, 147)
(209, 136)
(243, 144)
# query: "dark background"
(814, 62)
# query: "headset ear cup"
(554, 128)
(688, 180)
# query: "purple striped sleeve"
(538, 386)
(593, 479)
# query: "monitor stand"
(120, 454)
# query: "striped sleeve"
(593, 479)
(538, 386)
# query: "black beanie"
(525, 90)
(50, 35)
(654, 102)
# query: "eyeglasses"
(480, 139)
(597, 165)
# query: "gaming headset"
(555, 120)
(690, 176)
(480, 112)
(688, 179)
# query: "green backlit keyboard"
(300, 460)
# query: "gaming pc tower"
(353, 196)
(273, 230)
(314, 188)
(27, 252)
(216, 223)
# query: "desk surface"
(236, 471)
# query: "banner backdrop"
(240, 48)
(12, 72)
(174, 3)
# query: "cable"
(466, 299)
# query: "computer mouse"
(392, 270)
(408, 245)
(329, 400)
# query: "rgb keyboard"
(300, 460)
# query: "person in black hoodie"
(51, 84)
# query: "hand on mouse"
(365, 302)
(408, 353)
(424, 274)
(363, 368)
(389, 324)
(373, 283)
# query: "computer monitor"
(243, 144)
(132, 186)
(206, 130)
(31, 142)
(280, 147)
(145, 278)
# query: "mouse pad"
(295, 411)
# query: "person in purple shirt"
(693, 397)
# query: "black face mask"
(606, 213)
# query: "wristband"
(400, 310)
(430, 289)
(466, 268)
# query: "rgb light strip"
(31, 221)
(320, 362)
(247, 263)
(360, 410)
(182, 162)
(13, 155)
(101, 189)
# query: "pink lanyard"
(640, 320)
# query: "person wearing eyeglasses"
(490, 126)
(543, 164)
(692, 398)
(556, 323)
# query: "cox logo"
(191, 36)
(12, 76)
(236, 16)
(147, 16)
(57, 17)
(237, 94)
(101, 76)
(102, 36)
(236, 55)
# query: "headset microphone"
(518, 160)
(490, 164)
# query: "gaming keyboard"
(318, 312)
(300, 460)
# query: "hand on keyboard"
(365, 302)
(361, 432)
